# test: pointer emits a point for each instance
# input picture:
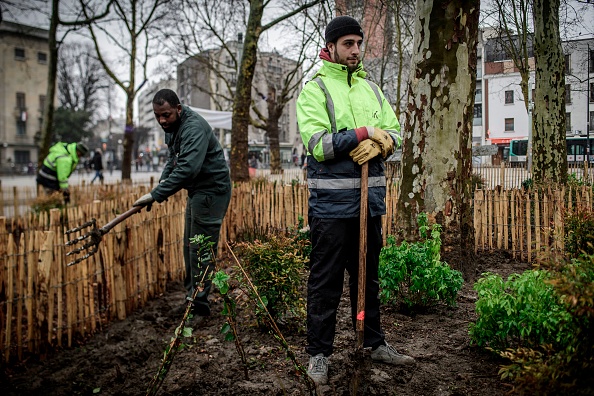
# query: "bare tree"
(283, 82)
(222, 39)
(388, 28)
(549, 149)
(512, 25)
(56, 21)
(81, 78)
(128, 30)
(436, 155)
(243, 92)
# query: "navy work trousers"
(335, 248)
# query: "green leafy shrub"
(301, 237)
(477, 182)
(413, 273)
(276, 267)
(574, 180)
(523, 310)
(564, 369)
(527, 184)
(579, 233)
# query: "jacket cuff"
(361, 133)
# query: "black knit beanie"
(341, 26)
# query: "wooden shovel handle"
(362, 254)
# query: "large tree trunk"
(52, 71)
(128, 139)
(437, 156)
(273, 138)
(243, 94)
(549, 156)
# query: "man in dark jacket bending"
(197, 163)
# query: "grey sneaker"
(388, 354)
(318, 369)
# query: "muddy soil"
(122, 359)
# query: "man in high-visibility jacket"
(59, 165)
(344, 121)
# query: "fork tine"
(86, 256)
(82, 227)
(77, 240)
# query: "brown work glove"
(383, 138)
(365, 151)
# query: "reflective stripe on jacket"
(58, 166)
(329, 108)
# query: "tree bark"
(437, 156)
(52, 71)
(274, 113)
(243, 94)
(549, 156)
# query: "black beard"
(175, 126)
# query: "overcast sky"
(68, 9)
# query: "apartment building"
(23, 80)
(208, 81)
(506, 115)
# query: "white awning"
(216, 119)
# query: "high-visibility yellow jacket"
(329, 108)
(58, 166)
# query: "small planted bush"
(545, 319)
(523, 310)
(276, 267)
(579, 233)
(413, 273)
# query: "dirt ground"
(122, 359)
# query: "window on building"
(41, 103)
(21, 120)
(567, 122)
(591, 121)
(509, 97)
(568, 93)
(591, 61)
(22, 157)
(591, 92)
(478, 95)
(19, 53)
(567, 63)
(41, 107)
(42, 57)
(20, 101)
(509, 125)
(478, 114)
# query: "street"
(78, 177)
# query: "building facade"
(507, 116)
(24, 56)
(208, 81)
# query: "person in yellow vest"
(59, 165)
(344, 121)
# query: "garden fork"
(95, 235)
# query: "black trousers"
(335, 248)
(204, 215)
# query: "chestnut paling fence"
(46, 304)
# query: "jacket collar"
(338, 71)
